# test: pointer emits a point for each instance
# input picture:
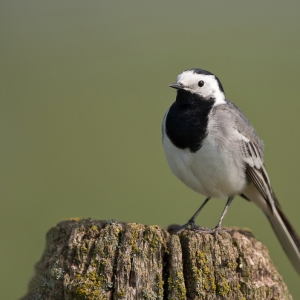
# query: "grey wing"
(252, 152)
(252, 155)
(256, 172)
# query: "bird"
(213, 149)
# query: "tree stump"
(88, 259)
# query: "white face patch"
(210, 89)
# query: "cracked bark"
(88, 259)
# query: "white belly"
(210, 171)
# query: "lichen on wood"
(89, 259)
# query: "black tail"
(289, 227)
(287, 236)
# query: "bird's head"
(200, 82)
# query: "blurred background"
(84, 87)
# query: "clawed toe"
(199, 229)
(191, 226)
(213, 231)
(188, 225)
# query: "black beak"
(177, 86)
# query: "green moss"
(232, 265)
(149, 295)
(203, 276)
(223, 287)
(156, 240)
(134, 238)
(212, 283)
(198, 277)
(84, 248)
(91, 286)
(243, 267)
(120, 295)
(155, 294)
(201, 257)
(176, 286)
(159, 286)
(57, 273)
(93, 231)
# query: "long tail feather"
(287, 236)
(285, 232)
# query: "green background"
(84, 87)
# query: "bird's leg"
(217, 228)
(191, 221)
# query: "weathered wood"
(88, 259)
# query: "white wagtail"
(212, 148)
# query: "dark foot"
(213, 231)
(189, 225)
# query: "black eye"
(201, 83)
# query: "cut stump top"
(90, 259)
